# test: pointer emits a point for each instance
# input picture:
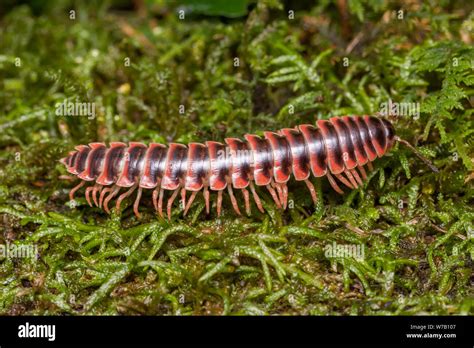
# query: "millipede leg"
(362, 172)
(312, 190)
(97, 189)
(334, 184)
(123, 196)
(256, 197)
(274, 196)
(137, 202)
(88, 195)
(73, 191)
(206, 199)
(155, 197)
(371, 167)
(285, 195)
(102, 195)
(357, 177)
(245, 192)
(344, 180)
(170, 203)
(112, 194)
(183, 197)
(190, 201)
(233, 200)
(279, 191)
(219, 202)
(160, 202)
(351, 178)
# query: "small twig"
(356, 230)
(355, 41)
(377, 231)
(67, 177)
(442, 230)
(345, 23)
(130, 31)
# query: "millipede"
(339, 148)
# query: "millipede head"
(389, 132)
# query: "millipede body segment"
(337, 148)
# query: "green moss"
(415, 226)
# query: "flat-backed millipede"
(338, 148)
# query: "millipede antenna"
(418, 154)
